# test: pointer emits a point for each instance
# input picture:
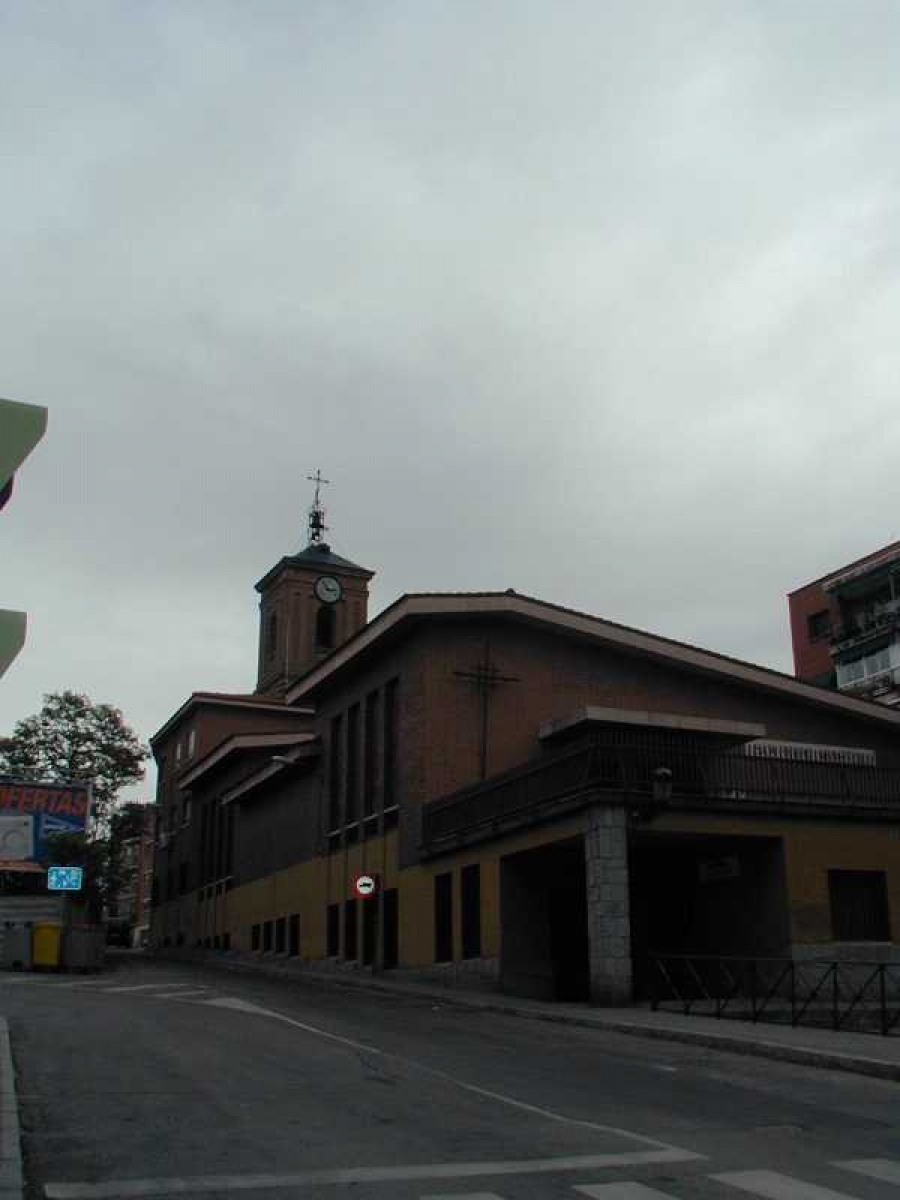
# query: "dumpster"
(45, 946)
(83, 948)
(15, 947)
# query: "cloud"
(596, 304)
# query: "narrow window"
(859, 906)
(390, 744)
(818, 625)
(294, 935)
(443, 917)
(391, 929)
(267, 937)
(370, 930)
(254, 937)
(333, 931)
(370, 755)
(470, 882)
(350, 925)
(325, 626)
(280, 935)
(352, 803)
(335, 773)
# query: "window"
(294, 935)
(188, 809)
(333, 931)
(267, 937)
(192, 743)
(370, 930)
(819, 625)
(226, 941)
(178, 749)
(335, 773)
(370, 754)
(470, 881)
(443, 917)
(271, 634)
(254, 937)
(859, 906)
(325, 627)
(390, 744)
(350, 925)
(280, 935)
(391, 929)
(352, 801)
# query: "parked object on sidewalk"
(82, 948)
(15, 947)
(46, 946)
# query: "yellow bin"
(46, 942)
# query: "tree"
(75, 740)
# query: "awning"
(24, 866)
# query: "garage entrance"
(543, 921)
(705, 895)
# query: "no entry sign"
(365, 886)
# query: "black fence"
(656, 770)
(860, 996)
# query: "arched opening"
(325, 627)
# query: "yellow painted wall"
(811, 849)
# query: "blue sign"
(64, 879)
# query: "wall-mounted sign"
(712, 870)
(16, 838)
(64, 879)
(365, 886)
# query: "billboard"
(47, 807)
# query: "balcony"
(866, 625)
(655, 778)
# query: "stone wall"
(609, 925)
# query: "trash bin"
(45, 946)
(83, 948)
(15, 947)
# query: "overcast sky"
(595, 301)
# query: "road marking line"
(188, 995)
(876, 1168)
(621, 1191)
(126, 1188)
(546, 1113)
(145, 987)
(775, 1186)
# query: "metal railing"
(860, 996)
(695, 775)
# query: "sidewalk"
(860, 1053)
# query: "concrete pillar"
(609, 925)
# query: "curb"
(806, 1056)
(10, 1139)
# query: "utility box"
(46, 946)
(83, 948)
(15, 948)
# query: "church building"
(510, 794)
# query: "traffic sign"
(64, 879)
(366, 885)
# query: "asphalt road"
(161, 1080)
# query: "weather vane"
(317, 526)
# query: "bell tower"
(310, 603)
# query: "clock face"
(328, 589)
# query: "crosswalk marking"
(775, 1186)
(875, 1168)
(621, 1191)
(145, 987)
(464, 1196)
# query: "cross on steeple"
(317, 526)
(486, 676)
